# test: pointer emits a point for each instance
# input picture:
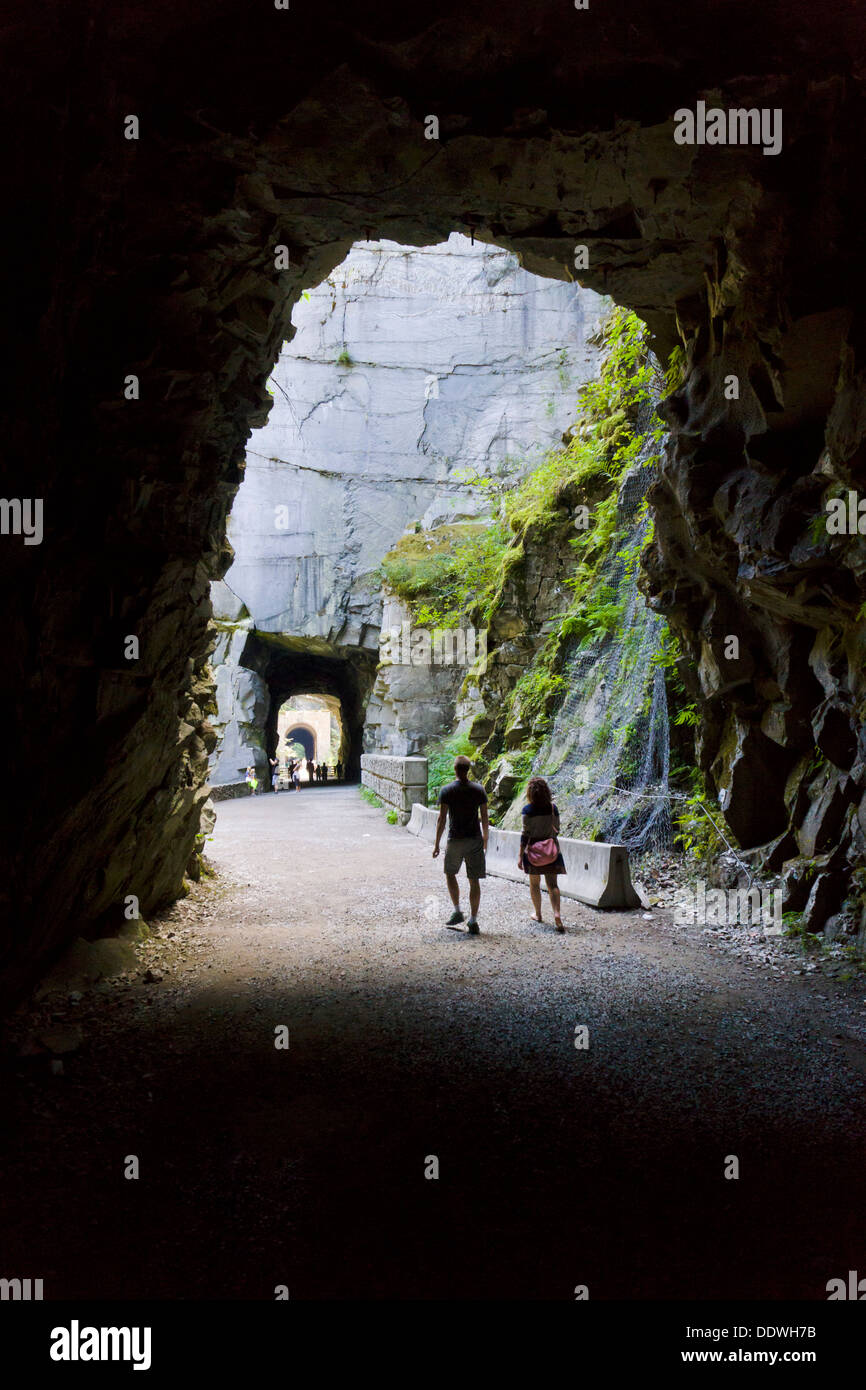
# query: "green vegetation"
(794, 927)
(694, 829)
(631, 755)
(372, 799)
(683, 718)
(817, 529)
(598, 616)
(605, 444)
(521, 761)
(676, 370)
(443, 573)
(440, 763)
(466, 573)
(456, 571)
(628, 381)
(816, 762)
(535, 695)
(344, 359)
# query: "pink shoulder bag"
(542, 852)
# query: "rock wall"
(307, 129)
(410, 371)
(410, 705)
(767, 602)
(399, 783)
(243, 703)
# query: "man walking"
(464, 805)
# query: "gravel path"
(558, 1166)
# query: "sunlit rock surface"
(306, 128)
(411, 372)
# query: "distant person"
(324, 772)
(296, 777)
(252, 780)
(275, 774)
(290, 768)
(464, 804)
(539, 847)
(310, 771)
(339, 772)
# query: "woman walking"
(539, 847)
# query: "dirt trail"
(557, 1166)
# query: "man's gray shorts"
(469, 851)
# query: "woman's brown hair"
(538, 794)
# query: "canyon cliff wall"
(410, 373)
(308, 129)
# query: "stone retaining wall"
(400, 783)
(225, 791)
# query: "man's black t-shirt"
(463, 800)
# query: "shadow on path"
(557, 1167)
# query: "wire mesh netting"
(607, 756)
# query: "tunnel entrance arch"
(306, 737)
(547, 144)
(295, 667)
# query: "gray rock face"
(410, 706)
(411, 372)
(262, 138)
(242, 708)
(454, 362)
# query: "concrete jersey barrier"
(596, 874)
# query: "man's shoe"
(456, 916)
(472, 927)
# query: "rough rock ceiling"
(298, 128)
